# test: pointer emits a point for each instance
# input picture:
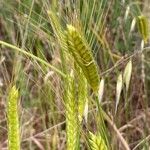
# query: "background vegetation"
(59, 104)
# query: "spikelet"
(72, 122)
(142, 23)
(96, 142)
(83, 56)
(13, 120)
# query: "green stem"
(33, 56)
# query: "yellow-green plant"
(13, 120)
(79, 49)
(73, 41)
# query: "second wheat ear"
(72, 121)
(82, 54)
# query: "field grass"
(74, 74)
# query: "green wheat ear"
(82, 54)
(142, 23)
(96, 142)
(72, 121)
(13, 120)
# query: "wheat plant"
(82, 70)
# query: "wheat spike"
(83, 56)
(13, 120)
(72, 121)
